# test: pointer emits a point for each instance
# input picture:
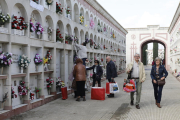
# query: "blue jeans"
(84, 61)
(157, 92)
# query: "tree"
(155, 50)
(144, 54)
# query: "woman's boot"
(158, 105)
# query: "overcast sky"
(140, 13)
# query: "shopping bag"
(129, 85)
(113, 88)
(64, 93)
(107, 88)
(98, 93)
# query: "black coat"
(111, 70)
(99, 70)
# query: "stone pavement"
(117, 108)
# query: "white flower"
(25, 61)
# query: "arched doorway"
(155, 41)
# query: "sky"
(140, 13)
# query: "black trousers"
(80, 88)
(98, 80)
(157, 92)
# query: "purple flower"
(4, 58)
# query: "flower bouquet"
(59, 37)
(32, 27)
(91, 60)
(69, 38)
(37, 91)
(59, 9)
(38, 60)
(76, 40)
(99, 28)
(4, 19)
(22, 89)
(50, 82)
(91, 23)
(91, 42)
(24, 62)
(59, 82)
(49, 2)
(50, 31)
(68, 12)
(47, 60)
(5, 60)
(31, 95)
(86, 40)
(81, 18)
(39, 30)
(13, 94)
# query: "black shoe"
(111, 96)
(137, 106)
(132, 102)
(78, 99)
(108, 95)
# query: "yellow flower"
(45, 60)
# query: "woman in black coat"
(158, 72)
(97, 73)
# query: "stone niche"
(17, 51)
(4, 10)
(48, 34)
(34, 82)
(4, 48)
(19, 11)
(35, 50)
(36, 18)
(60, 26)
(15, 83)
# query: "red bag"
(64, 93)
(98, 93)
(107, 88)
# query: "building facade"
(52, 30)
(174, 31)
(138, 37)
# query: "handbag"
(161, 82)
(74, 84)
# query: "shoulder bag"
(161, 82)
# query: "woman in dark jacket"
(97, 73)
(158, 72)
(79, 74)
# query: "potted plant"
(4, 19)
(81, 19)
(59, 37)
(24, 62)
(39, 30)
(5, 60)
(59, 9)
(50, 82)
(37, 91)
(47, 60)
(50, 30)
(37, 60)
(68, 13)
(69, 39)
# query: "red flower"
(12, 92)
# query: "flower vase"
(1, 106)
(36, 68)
(69, 16)
(21, 69)
(48, 66)
(49, 91)
(1, 70)
(49, 36)
(49, 7)
(45, 67)
(37, 95)
(39, 36)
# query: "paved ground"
(117, 108)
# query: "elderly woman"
(79, 74)
(158, 72)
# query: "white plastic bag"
(114, 88)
